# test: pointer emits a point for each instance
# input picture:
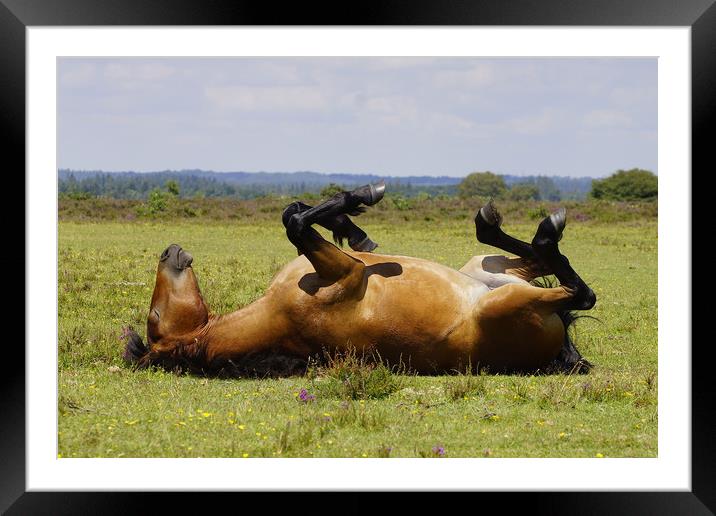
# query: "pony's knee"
(586, 299)
(294, 226)
(289, 211)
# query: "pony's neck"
(254, 328)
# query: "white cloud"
(630, 96)
(272, 98)
(605, 118)
(540, 123)
(138, 71)
(78, 75)
(473, 77)
(138, 76)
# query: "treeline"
(140, 186)
(197, 184)
(190, 184)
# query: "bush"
(626, 185)
(400, 203)
(331, 190)
(156, 204)
(523, 192)
(78, 195)
(482, 184)
(537, 213)
(172, 187)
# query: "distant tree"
(483, 184)
(626, 185)
(157, 201)
(523, 192)
(330, 190)
(172, 187)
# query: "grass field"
(106, 277)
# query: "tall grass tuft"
(350, 376)
(464, 385)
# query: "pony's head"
(177, 307)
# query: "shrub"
(523, 192)
(482, 184)
(156, 204)
(400, 203)
(172, 187)
(539, 212)
(626, 185)
(331, 190)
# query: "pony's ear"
(135, 349)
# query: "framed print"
(58, 58)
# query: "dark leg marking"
(545, 246)
(488, 222)
(341, 226)
(297, 220)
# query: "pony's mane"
(569, 360)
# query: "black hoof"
(489, 215)
(559, 221)
(368, 194)
(376, 193)
(365, 246)
(549, 231)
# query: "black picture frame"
(16, 15)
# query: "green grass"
(106, 276)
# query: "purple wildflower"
(305, 397)
(439, 451)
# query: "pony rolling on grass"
(403, 309)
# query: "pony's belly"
(430, 330)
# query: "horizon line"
(330, 173)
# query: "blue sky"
(387, 116)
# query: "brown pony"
(433, 318)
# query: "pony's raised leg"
(341, 226)
(545, 247)
(488, 222)
(330, 262)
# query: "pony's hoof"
(368, 194)
(549, 231)
(489, 214)
(377, 191)
(364, 246)
(559, 221)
